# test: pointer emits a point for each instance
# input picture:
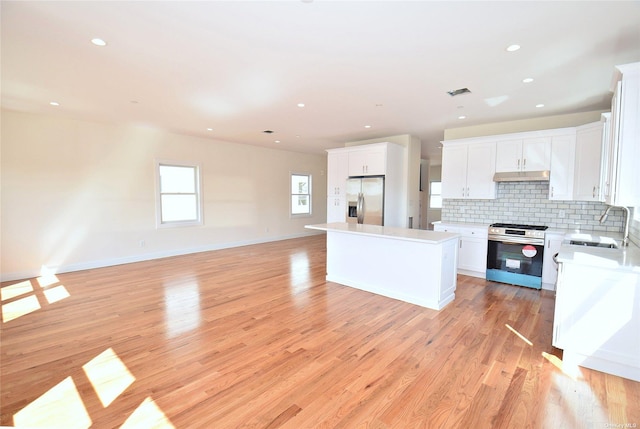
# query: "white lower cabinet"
(552, 243)
(472, 248)
(597, 318)
(336, 209)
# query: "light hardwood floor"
(255, 337)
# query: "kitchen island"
(410, 265)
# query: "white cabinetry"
(467, 170)
(472, 251)
(552, 243)
(337, 161)
(562, 165)
(623, 174)
(386, 159)
(597, 317)
(528, 154)
(367, 161)
(588, 160)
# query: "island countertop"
(406, 234)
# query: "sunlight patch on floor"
(59, 407)
(109, 376)
(15, 290)
(15, 309)
(149, 416)
(62, 405)
(522, 337)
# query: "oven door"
(515, 261)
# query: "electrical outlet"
(141, 243)
(561, 214)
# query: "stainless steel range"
(515, 254)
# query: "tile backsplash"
(528, 203)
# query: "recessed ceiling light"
(527, 80)
(540, 105)
(98, 42)
(367, 126)
(277, 141)
(54, 103)
(300, 104)
(513, 48)
(209, 129)
(462, 117)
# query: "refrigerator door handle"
(360, 207)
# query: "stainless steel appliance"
(365, 200)
(515, 254)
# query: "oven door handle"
(524, 241)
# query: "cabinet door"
(586, 185)
(508, 155)
(561, 174)
(536, 154)
(553, 242)
(336, 209)
(370, 162)
(337, 172)
(454, 171)
(612, 159)
(481, 165)
(472, 254)
(625, 111)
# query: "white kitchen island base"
(414, 266)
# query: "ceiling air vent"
(268, 131)
(455, 92)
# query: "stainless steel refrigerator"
(365, 200)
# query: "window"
(178, 195)
(300, 194)
(435, 195)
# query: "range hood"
(522, 176)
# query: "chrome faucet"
(605, 215)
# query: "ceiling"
(231, 70)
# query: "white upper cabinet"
(588, 161)
(467, 170)
(623, 144)
(527, 154)
(368, 162)
(562, 166)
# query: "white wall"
(80, 194)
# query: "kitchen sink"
(608, 245)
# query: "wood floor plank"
(256, 337)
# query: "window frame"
(431, 194)
(309, 194)
(198, 194)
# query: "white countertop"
(406, 234)
(623, 258)
(462, 224)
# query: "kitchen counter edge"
(389, 232)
